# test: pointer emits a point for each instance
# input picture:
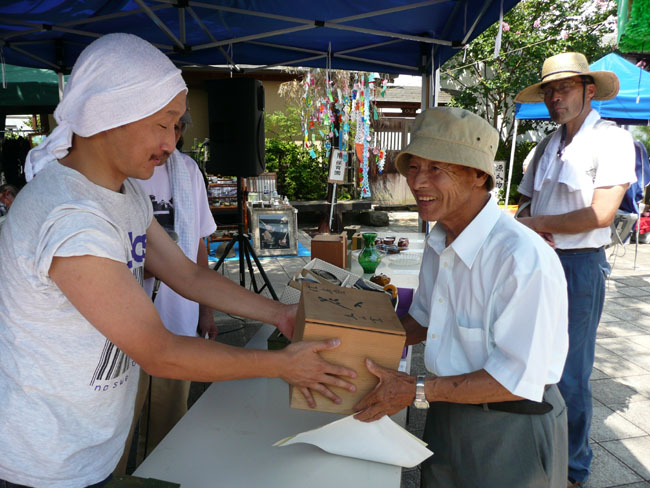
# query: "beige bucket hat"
(568, 65)
(452, 135)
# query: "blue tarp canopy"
(389, 36)
(631, 105)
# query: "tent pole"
(638, 219)
(512, 160)
(436, 88)
(61, 85)
(332, 206)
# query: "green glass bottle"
(370, 257)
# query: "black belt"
(578, 250)
(526, 407)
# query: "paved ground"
(620, 380)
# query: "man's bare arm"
(106, 293)
(396, 390)
(599, 214)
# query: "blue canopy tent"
(390, 36)
(630, 107)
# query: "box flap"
(346, 307)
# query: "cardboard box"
(331, 248)
(367, 325)
(357, 241)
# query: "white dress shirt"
(565, 179)
(495, 299)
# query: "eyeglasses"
(561, 89)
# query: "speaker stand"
(246, 251)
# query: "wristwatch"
(420, 397)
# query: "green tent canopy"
(28, 90)
(634, 26)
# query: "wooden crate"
(367, 325)
(332, 248)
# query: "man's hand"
(548, 238)
(415, 333)
(533, 223)
(305, 369)
(394, 391)
(286, 320)
(206, 325)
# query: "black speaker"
(236, 118)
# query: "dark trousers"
(478, 448)
(8, 484)
(585, 275)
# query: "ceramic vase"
(370, 257)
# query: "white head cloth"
(117, 79)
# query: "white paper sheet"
(382, 441)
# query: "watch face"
(421, 404)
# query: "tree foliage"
(532, 31)
(299, 176)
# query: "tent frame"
(179, 40)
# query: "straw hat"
(568, 65)
(452, 135)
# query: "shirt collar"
(468, 244)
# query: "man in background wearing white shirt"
(492, 307)
(579, 176)
(162, 402)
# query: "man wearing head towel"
(570, 193)
(491, 306)
(75, 322)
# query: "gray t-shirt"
(67, 393)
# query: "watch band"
(420, 395)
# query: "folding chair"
(622, 228)
(636, 192)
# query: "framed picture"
(274, 231)
(36, 138)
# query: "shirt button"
(433, 336)
(445, 264)
(440, 300)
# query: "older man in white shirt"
(492, 308)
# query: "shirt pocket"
(469, 352)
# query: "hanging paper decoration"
(365, 183)
(328, 111)
(381, 161)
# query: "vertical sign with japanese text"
(499, 175)
(337, 167)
